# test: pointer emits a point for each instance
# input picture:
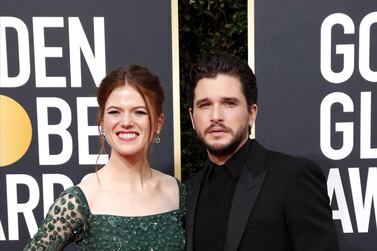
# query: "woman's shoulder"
(72, 193)
(88, 180)
(73, 200)
(172, 185)
(88, 186)
(167, 181)
(176, 187)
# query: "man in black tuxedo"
(247, 197)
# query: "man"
(248, 198)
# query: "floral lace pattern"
(65, 222)
(69, 219)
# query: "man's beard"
(227, 148)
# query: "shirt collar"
(235, 164)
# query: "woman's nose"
(127, 120)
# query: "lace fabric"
(64, 223)
(70, 220)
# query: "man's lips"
(216, 129)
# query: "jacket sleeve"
(308, 211)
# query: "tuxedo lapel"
(245, 196)
(193, 190)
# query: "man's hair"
(210, 67)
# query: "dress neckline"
(85, 201)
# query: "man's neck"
(222, 159)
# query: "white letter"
(23, 52)
(363, 209)
(41, 52)
(84, 131)
(348, 50)
(49, 180)
(44, 130)
(334, 185)
(364, 47)
(78, 42)
(2, 235)
(345, 127)
(14, 208)
(366, 151)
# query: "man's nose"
(217, 114)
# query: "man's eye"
(230, 104)
(203, 105)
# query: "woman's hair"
(144, 82)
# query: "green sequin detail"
(57, 209)
(108, 232)
(50, 227)
(71, 206)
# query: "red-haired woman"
(125, 205)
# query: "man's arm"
(308, 213)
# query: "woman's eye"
(113, 112)
(140, 113)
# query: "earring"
(158, 139)
(102, 132)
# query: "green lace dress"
(70, 220)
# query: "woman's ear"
(160, 122)
(100, 129)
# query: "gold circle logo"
(15, 131)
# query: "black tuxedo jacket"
(280, 203)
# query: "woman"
(126, 205)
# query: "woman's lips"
(127, 136)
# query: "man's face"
(220, 114)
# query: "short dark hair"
(210, 67)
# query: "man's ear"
(253, 110)
(191, 117)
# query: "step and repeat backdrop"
(53, 55)
(316, 65)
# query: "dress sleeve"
(64, 223)
(182, 198)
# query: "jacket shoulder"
(290, 165)
(197, 177)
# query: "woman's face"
(126, 122)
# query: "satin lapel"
(193, 189)
(245, 196)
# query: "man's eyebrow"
(201, 101)
(230, 99)
(223, 99)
